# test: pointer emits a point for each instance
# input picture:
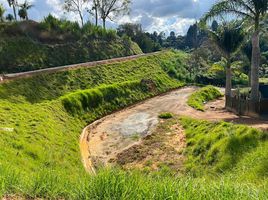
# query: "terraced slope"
(39, 133)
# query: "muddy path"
(102, 140)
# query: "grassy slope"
(45, 135)
(245, 179)
(52, 86)
(30, 45)
(238, 152)
(44, 145)
(208, 93)
(35, 55)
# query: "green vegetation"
(165, 116)
(117, 184)
(56, 42)
(264, 80)
(235, 151)
(215, 75)
(203, 95)
(42, 118)
(105, 99)
(52, 86)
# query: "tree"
(172, 39)
(254, 11)
(112, 8)
(13, 4)
(247, 51)
(95, 7)
(2, 11)
(77, 7)
(214, 26)
(9, 17)
(228, 39)
(129, 29)
(23, 12)
(191, 37)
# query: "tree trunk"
(255, 64)
(81, 18)
(96, 17)
(104, 23)
(228, 84)
(249, 78)
(15, 14)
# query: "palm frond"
(228, 38)
(235, 7)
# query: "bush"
(199, 98)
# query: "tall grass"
(116, 184)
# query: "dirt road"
(105, 138)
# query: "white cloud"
(154, 15)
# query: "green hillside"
(29, 45)
(39, 131)
(42, 118)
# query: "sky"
(154, 15)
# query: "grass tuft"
(165, 116)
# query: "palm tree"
(13, 4)
(2, 11)
(228, 39)
(23, 12)
(253, 10)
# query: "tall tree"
(77, 7)
(2, 11)
(253, 10)
(95, 7)
(112, 8)
(23, 12)
(13, 4)
(228, 39)
(191, 37)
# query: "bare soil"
(109, 139)
(163, 148)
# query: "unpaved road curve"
(102, 140)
